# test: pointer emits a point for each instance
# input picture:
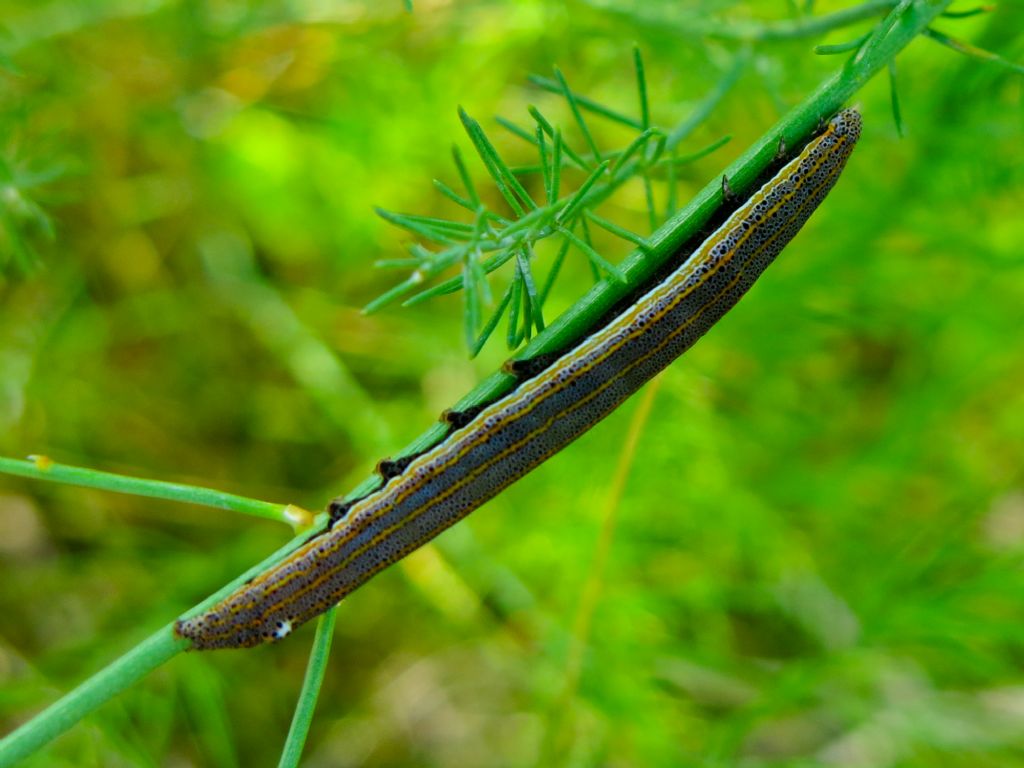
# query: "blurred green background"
(817, 558)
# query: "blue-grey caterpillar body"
(487, 451)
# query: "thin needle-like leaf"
(671, 204)
(405, 263)
(530, 222)
(526, 327)
(467, 180)
(970, 50)
(574, 202)
(676, 160)
(545, 166)
(452, 195)
(491, 323)
(641, 87)
(515, 130)
(421, 228)
(556, 165)
(595, 258)
(585, 229)
(894, 95)
(569, 152)
(652, 213)
(512, 337)
(631, 150)
(618, 231)
(394, 293)
(480, 276)
(440, 262)
(455, 283)
(590, 105)
(653, 152)
(580, 121)
(970, 12)
(430, 223)
(537, 316)
(492, 162)
(506, 181)
(471, 297)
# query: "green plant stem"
(43, 469)
(104, 685)
(640, 265)
(159, 647)
(315, 670)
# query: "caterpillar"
(486, 451)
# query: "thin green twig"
(316, 667)
(971, 50)
(42, 468)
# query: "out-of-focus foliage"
(817, 557)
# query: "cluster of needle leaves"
(491, 239)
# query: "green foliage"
(815, 556)
(493, 240)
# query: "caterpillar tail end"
(223, 629)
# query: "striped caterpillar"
(486, 451)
